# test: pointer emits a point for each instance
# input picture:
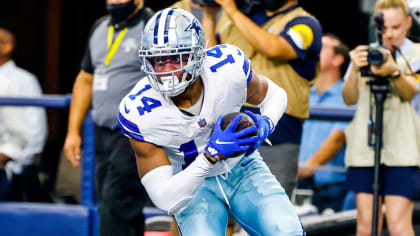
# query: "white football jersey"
(146, 115)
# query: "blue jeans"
(250, 193)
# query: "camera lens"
(376, 56)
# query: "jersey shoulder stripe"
(132, 106)
(143, 111)
(130, 129)
(247, 68)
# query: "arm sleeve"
(275, 102)
(171, 192)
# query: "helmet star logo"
(195, 27)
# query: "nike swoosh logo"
(126, 109)
(221, 142)
(245, 163)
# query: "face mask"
(121, 11)
(273, 5)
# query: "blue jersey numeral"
(190, 153)
(148, 102)
(217, 53)
(133, 96)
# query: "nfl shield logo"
(202, 122)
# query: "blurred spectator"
(21, 84)
(109, 70)
(323, 142)
(399, 164)
(13, 137)
(283, 42)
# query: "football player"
(169, 117)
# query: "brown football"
(245, 122)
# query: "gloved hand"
(265, 126)
(224, 143)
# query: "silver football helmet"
(172, 32)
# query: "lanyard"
(112, 47)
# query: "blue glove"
(265, 126)
(224, 143)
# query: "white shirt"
(12, 127)
(34, 118)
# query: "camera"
(377, 55)
(245, 6)
(377, 52)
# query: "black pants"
(23, 187)
(120, 194)
(4, 186)
(325, 196)
(330, 196)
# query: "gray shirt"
(111, 82)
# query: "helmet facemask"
(168, 83)
(172, 33)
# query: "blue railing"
(50, 101)
(331, 113)
(63, 101)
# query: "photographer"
(400, 153)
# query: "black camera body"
(377, 52)
(245, 6)
(377, 55)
